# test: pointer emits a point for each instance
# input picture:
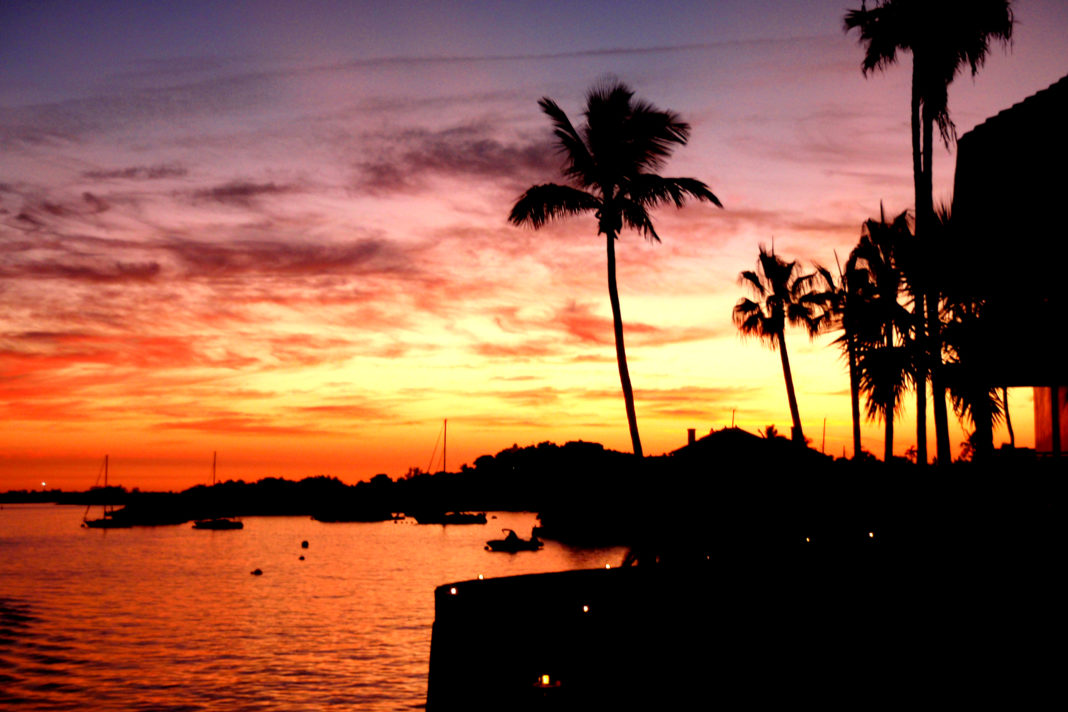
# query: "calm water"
(170, 618)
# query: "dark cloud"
(240, 192)
(408, 159)
(155, 172)
(364, 256)
(93, 270)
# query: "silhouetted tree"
(943, 36)
(784, 296)
(843, 304)
(610, 165)
(884, 357)
(974, 398)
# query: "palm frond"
(542, 203)
(578, 163)
(752, 279)
(651, 189)
(635, 216)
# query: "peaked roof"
(1010, 241)
(1044, 106)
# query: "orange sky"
(281, 235)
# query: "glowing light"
(871, 535)
(452, 591)
(545, 680)
(585, 609)
(608, 566)
(807, 539)
(480, 577)
(44, 484)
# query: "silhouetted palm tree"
(784, 296)
(843, 304)
(942, 36)
(610, 165)
(974, 398)
(884, 353)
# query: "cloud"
(239, 192)
(98, 271)
(366, 256)
(407, 161)
(240, 424)
(579, 324)
(153, 172)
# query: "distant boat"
(512, 543)
(107, 521)
(450, 517)
(217, 523)
(342, 513)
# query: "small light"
(480, 577)
(452, 591)
(44, 484)
(585, 609)
(871, 535)
(545, 680)
(807, 539)
(608, 566)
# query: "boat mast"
(213, 454)
(445, 447)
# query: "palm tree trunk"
(920, 164)
(1008, 418)
(920, 359)
(795, 431)
(983, 419)
(934, 335)
(621, 351)
(889, 407)
(888, 437)
(854, 394)
(938, 388)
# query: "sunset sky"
(277, 230)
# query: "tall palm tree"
(884, 357)
(943, 36)
(785, 296)
(610, 164)
(843, 303)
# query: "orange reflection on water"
(170, 616)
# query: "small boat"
(450, 518)
(218, 523)
(512, 543)
(108, 520)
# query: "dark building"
(1011, 249)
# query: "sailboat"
(217, 523)
(445, 517)
(107, 521)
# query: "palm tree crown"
(942, 35)
(610, 164)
